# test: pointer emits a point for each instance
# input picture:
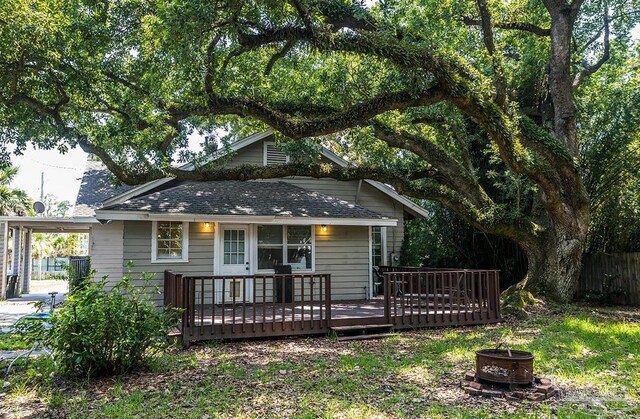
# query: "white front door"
(235, 262)
(235, 254)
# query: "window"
(270, 242)
(377, 246)
(285, 245)
(170, 241)
(234, 247)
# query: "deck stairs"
(361, 332)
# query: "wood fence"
(614, 277)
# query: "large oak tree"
(418, 91)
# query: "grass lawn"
(592, 354)
(11, 342)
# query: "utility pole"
(41, 186)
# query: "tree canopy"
(469, 103)
(12, 201)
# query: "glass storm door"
(235, 262)
(235, 255)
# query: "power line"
(53, 165)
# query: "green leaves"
(100, 331)
(12, 201)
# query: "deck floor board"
(339, 310)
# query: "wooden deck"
(264, 307)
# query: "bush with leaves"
(104, 332)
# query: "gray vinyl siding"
(106, 251)
(367, 196)
(343, 251)
(137, 249)
(253, 154)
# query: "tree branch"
(278, 55)
(487, 37)
(589, 70)
(518, 26)
(304, 15)
(576, 5)
(456, 175)
(355, 115)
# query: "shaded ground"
(592, 354)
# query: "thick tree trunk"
(555, 259)
(554, 269)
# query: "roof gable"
(122, 196)
(96, 186)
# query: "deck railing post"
(497, 294)
(327, 298)
(168, 288)
(494, 296)
(181, 302)
(387, 297)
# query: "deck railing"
(250, 305)
(441, 297)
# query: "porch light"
(208, 226)
(323, 228)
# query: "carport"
(22, 229)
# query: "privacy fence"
(611, 278)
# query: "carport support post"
(25, 272)
(4, 243)
(16, 255)
(15, 252)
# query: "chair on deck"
(284, 284)
(378, 281)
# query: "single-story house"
(263, 258)
(234, 227)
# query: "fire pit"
(507, 373)
(504, 366)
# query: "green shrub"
(104, 332)
(78, 280)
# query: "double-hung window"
(285, 245)
(170, 241)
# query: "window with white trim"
(285, 245)
(170, 241)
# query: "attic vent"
(273, 155)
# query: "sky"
(63, 172)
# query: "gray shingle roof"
(244, 198)
(96, 186)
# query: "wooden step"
(173, 332)
(363, 337)
(360, 327)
